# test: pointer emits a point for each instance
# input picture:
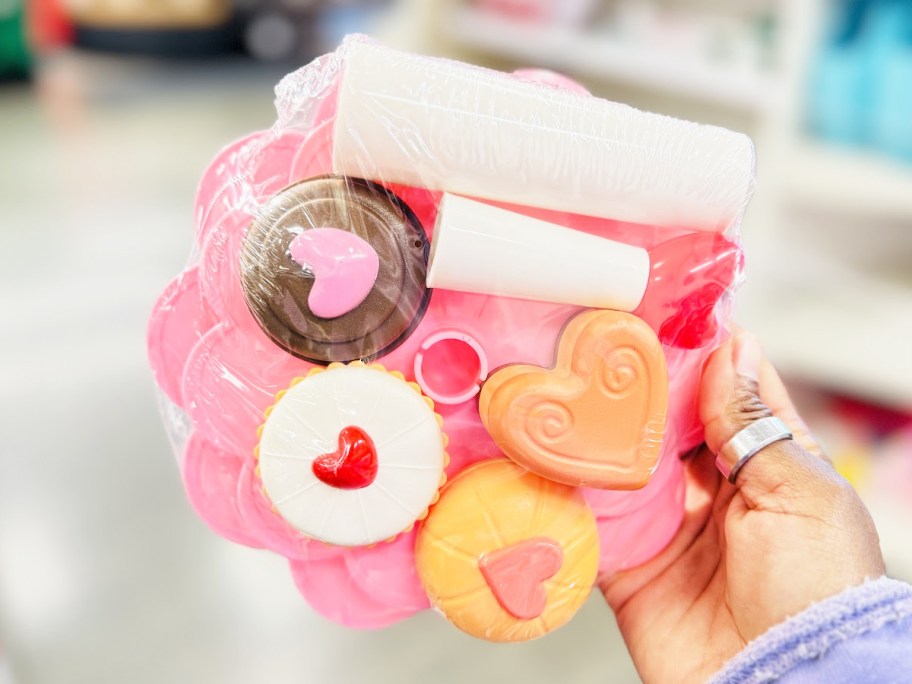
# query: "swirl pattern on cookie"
(597, 419)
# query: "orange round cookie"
(507, 555)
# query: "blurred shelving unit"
(834, 319)
(597, 57)
(849, 182)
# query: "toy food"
(351, 455)
(426, 272)
(598, 417)
(507, 555)
(326, 298)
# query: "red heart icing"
(516, 574)
(353, 465)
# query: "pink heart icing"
(516, 573)
(344, 266)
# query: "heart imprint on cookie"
(516, 574)
(353, 465)
(344, 267)
(597, 418)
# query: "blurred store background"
(109, 111)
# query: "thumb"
(739, 387)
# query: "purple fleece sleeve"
(862, 635)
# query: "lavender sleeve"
(862, 635)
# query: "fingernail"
(748, 356)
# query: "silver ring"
(748, 442)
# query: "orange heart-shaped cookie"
(598, 417)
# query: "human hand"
(790, 532)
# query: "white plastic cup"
(442, 125)
(480, 248)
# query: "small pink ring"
(441, 336)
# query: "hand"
(790, 532)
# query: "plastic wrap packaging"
(443, 338)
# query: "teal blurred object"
(891, 128)
(837, 97)
(860, 88)
(14, 54)
(890, 59)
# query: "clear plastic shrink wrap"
(443, 339)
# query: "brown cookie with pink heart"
(333, 269)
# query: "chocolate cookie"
(278, 287)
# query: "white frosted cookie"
(352, 455)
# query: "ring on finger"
(747, 443)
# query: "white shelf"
(603, 56)
(854, 339)
(830, 323)
(848, 181)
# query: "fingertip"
(729, 397)
(716, 383)
(747, 355)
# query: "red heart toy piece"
(353, 465)
(688, 275)
(516, 574)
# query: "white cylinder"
(480, 248)
(449, 126)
